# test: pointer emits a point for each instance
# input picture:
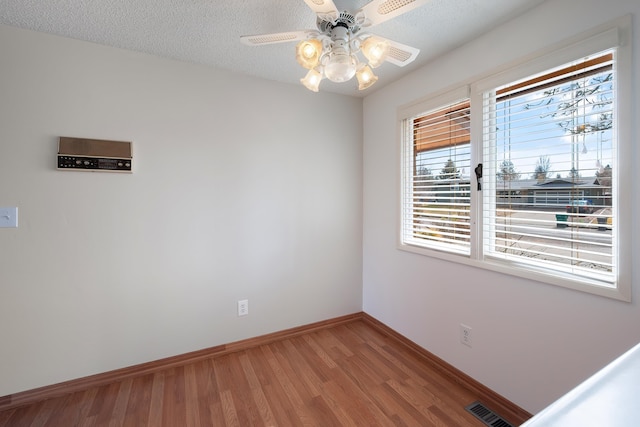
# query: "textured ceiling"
(208, 31)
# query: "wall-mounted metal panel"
(94, 155)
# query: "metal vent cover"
(486, 415)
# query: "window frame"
(430, 106)
(614, 35)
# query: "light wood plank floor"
(346, 375)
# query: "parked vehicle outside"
(580, 207)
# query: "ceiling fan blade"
(400, 54)
(289, 36)
(325, 9)
(378, 11)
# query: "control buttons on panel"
(93, 163)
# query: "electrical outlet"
(243, 307)
(9, 217)
(465, 334)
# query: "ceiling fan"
(332, 50)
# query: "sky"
(526, 129)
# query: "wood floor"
(351, 374)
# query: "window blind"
(437, 165)
(549, 195)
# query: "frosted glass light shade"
(308, 53)
(366, 78)
(375, 50)
(340, 66)
(312, 80)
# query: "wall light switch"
(8, 217)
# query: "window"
(438, 186)
(552, 136)
(549, 155)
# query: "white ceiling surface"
(208, 31)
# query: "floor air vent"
(486, 415)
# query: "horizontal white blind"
(549, 166)
(436, 165)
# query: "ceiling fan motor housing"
(345, 19)
(340, 33)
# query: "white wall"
(531, 342)
(240, 190)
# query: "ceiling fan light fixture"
(365, 77)
(332, 50)
(308, 53)
(375, 50)
(312, 80)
